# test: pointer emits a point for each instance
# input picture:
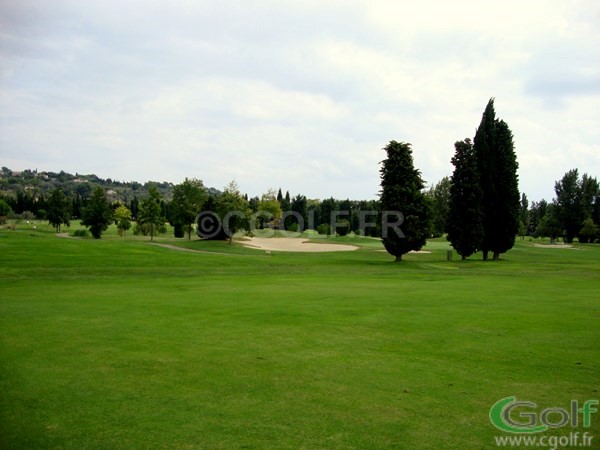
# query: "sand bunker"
(554, 246)
(294, 245)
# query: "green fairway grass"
(118, 343)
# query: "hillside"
(34, 183)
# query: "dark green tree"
(401, 192)
(589, 193)
(328, 206)
(439, 196)
(524, 216)
(588, 232)
(59, 209)
(150, 211)
(5, 208)
(497, 166)
(97, 215)
(536, 213)
(549, 225)
(286, 202)
(188, 199)
(465, 220)
(134, 207)
(300, 206)
(209, 224)
(507, 192)
(568, 204)
(484, 145)
(233, 210)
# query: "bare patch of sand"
(569, 246)
(294, 245)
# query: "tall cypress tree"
(484, 144)
(401, 190)
(508, 204)
(465, 221)
(497, 166)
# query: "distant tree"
(549, 225)
(268, 203)
(300, 206)
(524, 216)
(134, 207)
(279, 196)
(595, 214)
(497, 165)
(41, 214)
(59, 209)
(439, 196)
(97, 214)
(328, 206)
(323, 229)
(589, 231)
(343, 227)
(346, 211)
(78, 205)
(465, 220)
(286, 202)
(590, 189)
(313, 207)
(253, 204)
(536, 212)
(401, 191)
(122, 217)
(150, 211)
(209, 224)
(188, 199)
(5, 211)
(233, 210)
(568, 204)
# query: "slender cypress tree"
(465, 221)
(508, 204)
(497, 166)
(483, 144)
(401, 190)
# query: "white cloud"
(297, 94)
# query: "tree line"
(189, 200)
(478, 207)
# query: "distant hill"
(36, 183)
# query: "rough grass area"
(117, 343)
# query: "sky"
(301, 95)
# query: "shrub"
(323, 228)
(344, 227)
(81, 233)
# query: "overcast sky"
(301, 95)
